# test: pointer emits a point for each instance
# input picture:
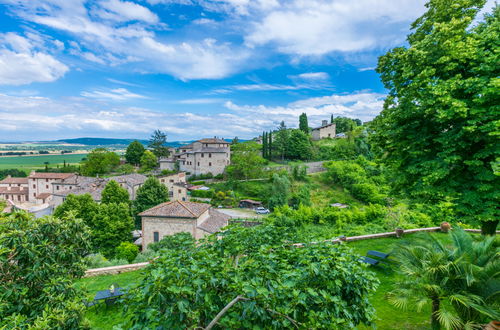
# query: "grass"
(28, 163)
(387, 316)
(324, 194)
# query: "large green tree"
(157, 144)
(299, 145)
(281, 140)
(150, 194)
(81, 206)
(439, 127)
(344, 124)
(303, 123)
(114, 193)
(148, 161)
(100, 161)
(280, 190)
(113, 224)
(39, 261)
(134, 152)
(246, 161)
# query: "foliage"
(127, 251)
(460, 281)
(125, 169)
(301, 197)
(201, 176)
(280, 190)
(13, 172)
(303, 123)
(97, 260)
(150, 194)
(100, 161)
(114, 193)
(299, 145)
(246, 161)
(344, 124)
(362, 178)
(134, 152)
(317, 286)
(112, 225)
(38, 261)
(439, 125)
(149, 161)
(281, 140)
(81, 206)
(299, 172)
(157, 144)
(177, 241)
(202, 193)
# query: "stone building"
(176, 185)
(40, 185)
(326, 130)
(14, 189)
(200, 157)
(174, 217)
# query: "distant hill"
(106, 141)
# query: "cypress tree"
(264, 145)
(303, 124)
(331, 119)
(270, 145)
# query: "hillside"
(108, 141)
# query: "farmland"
(29, 163)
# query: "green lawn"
(28, 163)
(387, 317)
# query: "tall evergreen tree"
(303, 124)
(264, 145)
(157, 144)
(270, 145)
(331, 119)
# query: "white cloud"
(114, 43)
(317, 27)
(314, 76)
(22, 62)
(118, 94)
(122, 11)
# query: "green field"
(28, 163)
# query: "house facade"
(174, 217)
(14, 189)
(200, 157)
(326, 130)
(176, 185)
(40, 185)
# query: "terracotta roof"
(176, 209)
(14, 191)
(43, 195)
(46, 175)
(11, 180)
(212, 140)
(214, 222)
(324, 126)
(132, 179)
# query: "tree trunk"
(489, 227)
(435, 308)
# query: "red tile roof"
(214, 222)
(11, 180)
(46, 175)
(14, 191)
(43, 195)
(176, 209)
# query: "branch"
(223, 311)
(295, 323)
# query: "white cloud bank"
(24, 60)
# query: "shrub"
(127, 251)
(202, 193)
(197, 183)
(366, 192)
(97, 260)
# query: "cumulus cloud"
(103, 38)
(24, 60)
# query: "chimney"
(324, 123)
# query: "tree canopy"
(157, 144)
(246, 161)
(150, 194)
(134, 152)
(303, 123)
(439, 125)
(100, 161)
(39, 259)
(148, 161)
(114, 193)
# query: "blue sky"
(192, 68)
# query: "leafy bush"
(39, 261)
(145, 256)
(173, 242)
(202, 193)
(275, 285)
(366, 192)
(97, 260)
(127, 251)
(195, 177)
(197, 183)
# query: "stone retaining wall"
(132, 267)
